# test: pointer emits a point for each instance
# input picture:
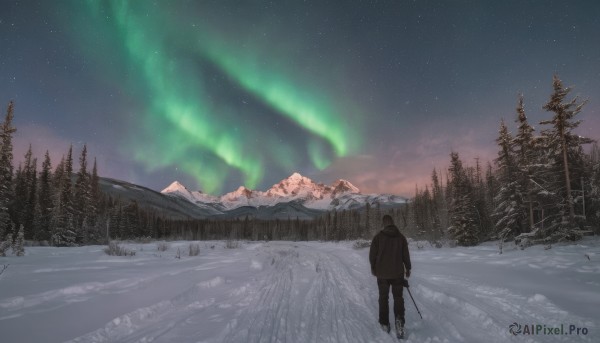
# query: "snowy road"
(293, 292)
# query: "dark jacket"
(389, 254)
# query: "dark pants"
(384, 291)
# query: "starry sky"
(218, 94)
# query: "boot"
(385, 327)
(399, 329)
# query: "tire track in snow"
(308, 296)
(266, 317)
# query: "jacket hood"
(391, 230)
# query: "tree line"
(337, 225)
(57, 206)
(541, 188)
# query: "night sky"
(217, 94)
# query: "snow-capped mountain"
(296, 188)
(196, 197)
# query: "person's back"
(389, 253)
(390, 261)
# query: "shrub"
(162, 246)
(194, 249)
(4, 245)
(361, 244)
(231, 244)
(114, 249)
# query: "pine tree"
(131, 223)
(95, 225)
(30, 213)
(6, 169)
(66, 192)
(437, 206)
(64, 231)
(508, 214)
(463, 219)
(82, 198)
(481, 207)
(19, 247)
(492, 187)
(17, 206)
(4, 245)
(23, 206)
(57, 218)
(565, 158)
(8, 242)
(45, 203)
(95, 194)
(526, 159)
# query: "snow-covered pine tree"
(526, 155)
(57, 218)
(19, 246)
(424, 216)
(30, 203)
(463, 218)
(82, 198)
(45, 204)
(66, 191)
(95, 194)
(508, 214)
(131, 222)
(23, 205)
(62, 222)
(64, 235)
(438, 206)
(492, 188)
(6, 169)
(486, 226)
(117, 221)
(565, 161)
(17, 206)
(6, 244)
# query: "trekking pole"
(413, 299)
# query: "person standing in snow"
(390, 262)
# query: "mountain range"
(295, 196)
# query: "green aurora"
(184, 126)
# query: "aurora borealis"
(186, 110)
(218, 94)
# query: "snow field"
(293, 292)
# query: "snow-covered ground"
(294, 292)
